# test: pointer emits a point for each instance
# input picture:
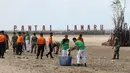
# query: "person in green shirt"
(81, 51)
(34, 43)
(14, 41)
(27, 40)
(65, 46)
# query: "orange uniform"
(81, 39)
(2, 38)
(50, 39)
(20, 39)
(41, 40)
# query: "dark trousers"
(116, 51)
(24, 45)
(14, 47)
(7, 45)
(50, 49)
(34, 46)
(40, 50)
(19, 49)
(2, 49)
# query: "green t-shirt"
(34, 39)
(27, 37)
(80, 44)
(14, 38)
(65, 45)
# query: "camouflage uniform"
(117, 48)
(34, 44)
(14, 39)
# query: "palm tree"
(118, 15)
(120, 29)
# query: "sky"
(58, 13)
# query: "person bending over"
(56, 46)
(81, 51)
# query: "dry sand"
(98, 60)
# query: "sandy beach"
(99, 59)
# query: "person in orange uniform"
(80, 38)
(19, 44)
(2, 44)
(41, 42)
(50, 46)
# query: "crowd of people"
(23, 42)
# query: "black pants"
(14, 47)
(24, 45)
(40, 50)
(51, 49)
(7, 45)
(34, 46)
(2, 49)
(19, 49)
